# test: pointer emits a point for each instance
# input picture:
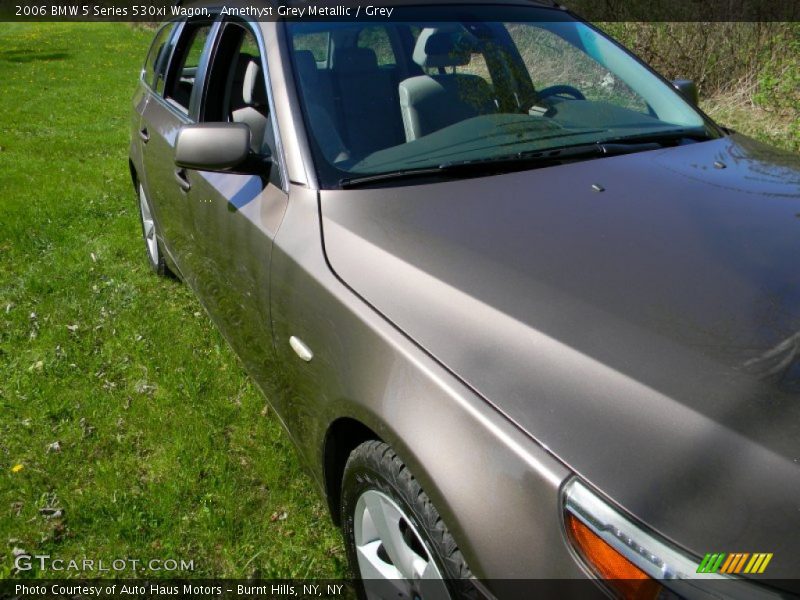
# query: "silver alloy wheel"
(148, 227)
(393, 560)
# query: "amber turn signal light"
(621, 575)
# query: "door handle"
(183, 182)
(144, 134)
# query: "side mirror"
(688, 89)
(217, 147)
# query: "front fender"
(496, 489)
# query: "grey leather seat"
(431, 102)
(367, 101)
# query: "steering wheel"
(561, 90)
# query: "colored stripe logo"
(736, 562)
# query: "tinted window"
(377, 40)
(188, 55)
(316, 43)
(476, 66)
(552, 60)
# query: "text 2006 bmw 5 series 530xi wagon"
(525, 311)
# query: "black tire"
(374, 466)
(154, 255)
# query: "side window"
(318, 43)
(377, 39)
(158, 55)
(236, 91)
(187, 60)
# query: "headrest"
(355, 60)
(242, 62)
(306, 67)
(436, 48)
(254, 91)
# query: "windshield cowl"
(523, 160)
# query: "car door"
(153, 70)
(169, 108)
(232, 218)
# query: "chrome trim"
(675, 569)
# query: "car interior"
(379, 106)
(431, 102)
(236, 86)
(376, 94)
(247, 98)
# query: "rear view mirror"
(214, 147)
(688, 89)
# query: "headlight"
(633, 562)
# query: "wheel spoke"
(373, 566)
(422, 568)
(388, 550)
(149, 227)
(386, 519)
(146, 215)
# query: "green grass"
(164, 450)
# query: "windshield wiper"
(662, 137)
(505, 163)
(351, 182)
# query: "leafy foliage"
(748, 73)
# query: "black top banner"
(397, 10)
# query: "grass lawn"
(120, 404)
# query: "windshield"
(399, 96)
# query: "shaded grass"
(165, 450)
(736, 110)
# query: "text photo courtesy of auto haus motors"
(419, 300)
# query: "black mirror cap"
(688, 89)
(219, 147)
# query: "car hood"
(648, 334)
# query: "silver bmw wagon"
(531, 318)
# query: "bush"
(739, 68)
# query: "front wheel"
(396, 541)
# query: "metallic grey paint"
(212, 146)
(642, 322)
